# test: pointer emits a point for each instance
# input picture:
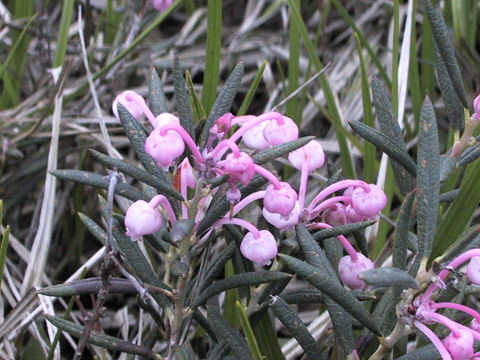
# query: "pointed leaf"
(400, 237)
(88, 286)
(156, 97)
(428, 181)
(471, 154)
(427, 352)
(346, 229)
(99, 339)
(93, 228)
(295, 326)
(386, 144)
(98, 181)
(448, 165)
(138, 174)
(337, 292)
(280, 150)
(239, 280)
(224, 100)
(247, 330)
(199, 115)
(182, 100)
(445, 47)
(388, 276)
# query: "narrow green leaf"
(239, 280)
(247, 330)
(224, 331)
(428, 180)
(449, 196)
(224, 100)
(94, 228)
(3, 250)
(182, 99)
(400, 237)
(137, 138)
(295, 326)
(346, 229)
(231, 298)
(199, 115)
(389, 276)
(469, 240)
(337, 292)
(217, 264)
(99, 339)
(267, 338)
(275, 152)
(214, 45)
(445, 47)
(62, 40)
(98, 181)
(448, 165)
(252, 90)
(88, 286)
(390, 127)
(386, 144)
(449, 96)
(471, 154)
(138, 174)
(304, 296)
(220, 351)
(427, 352)
(156, 97)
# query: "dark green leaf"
(95, 180)
(239, 280)
(88, 286)
(156, 96)
(138, 174)
(94, 228)
(470, 154)
(449, 197)
(386, 144)
(445, 47)
(428, 181)
(448, 166)
(303, 296)
(280, 150)
(427, 352)
(267, 338)
(295, 326)
(99, 339)
(346, 229)
(224, 100)
(400, 237)
(388, 276)
(337, 292)
(182, 99)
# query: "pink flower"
(476, 107)
(261, 250)
(223, 123)
(315, 153)
(240, 168)
(277, 134)
(161, 5)
(280, 201)
(473, 270)
(370, 203)
(134, 103)
(164, 119)
(164, 149)
(349, 270)
(279, 221)
(335, 215)
(254, 138)
(142, 219)
(460, 344)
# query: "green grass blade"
(252, 90)
(247, 330)
(62, 40)
(3, 250)
(212, 62)
(230, 312)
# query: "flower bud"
(315, 151)
(165, 119)
(133, 102)
(350, 270)
(475, 325)
(368, 204)
(277, 134)
(187, 173)
(352, 215)
(260, 250)
(224, 123)
(280, 201)
(233, 195)
(161, 5)
(335, 216)
(460, 345)
(476, 107)
(473, 270)
(164, 149)
(279, 221)
(254, 138)
(240, 168)
(141, 219)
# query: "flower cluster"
(459, 343)
(343, 202)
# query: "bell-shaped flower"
(161, 5)
(281, 222)
(349, 270)
(280, 201)
(164, 149)
(278, 133)
(473, 270)
(240, 167)
(254, 138)
(368, 203)
(223, 124)
(460, 344)
(476, 107)
(186, 173)
(142, 219)
(313, 150)
(165, 119)
(134, 103)
(335, 215)
(261, 249)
